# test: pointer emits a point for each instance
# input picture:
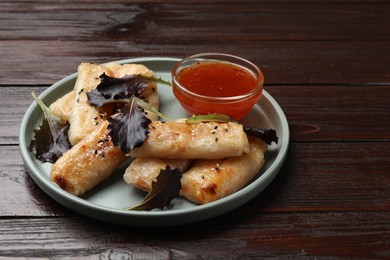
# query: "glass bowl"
(208, 83)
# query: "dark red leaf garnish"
(112, 89)
(267, 135)
(129, 128)
(50, 140)
(164, 190)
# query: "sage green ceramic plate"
(107, 201)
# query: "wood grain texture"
(292, 43)
(211, 1)
(294, 235)
(187, 22)
(20, 195)
(281, 62)
(334, 113)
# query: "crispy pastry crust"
(83, 117)
(87, 163)
(181, 140)
(143, 171)
(210, 180)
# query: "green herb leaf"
(129, 128)
(164, 190)
(153, 79)
(147, 107)
(50, 141)
(209, 118)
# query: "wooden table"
(327, 63)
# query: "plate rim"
(89, 209)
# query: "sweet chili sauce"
(217, 87)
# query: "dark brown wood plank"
(188, 22)
(331, 177)
(359, 51)
(19, 194)
(212, 1)
(314, 113)
(14, 102)
(337, 235)
(44, 62)
(331, 113)
(316, 177)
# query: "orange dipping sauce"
(213, 86)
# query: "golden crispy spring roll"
(181, 140)
(85, 118)
(131, 69)
(210, 180)
(87, 163)
(62, 107)
(113, 66)
(143, 171)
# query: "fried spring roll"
(210, 180)
(87, 163)
(85, 118)
(143, 171)
(181, 140)
(62, 107)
